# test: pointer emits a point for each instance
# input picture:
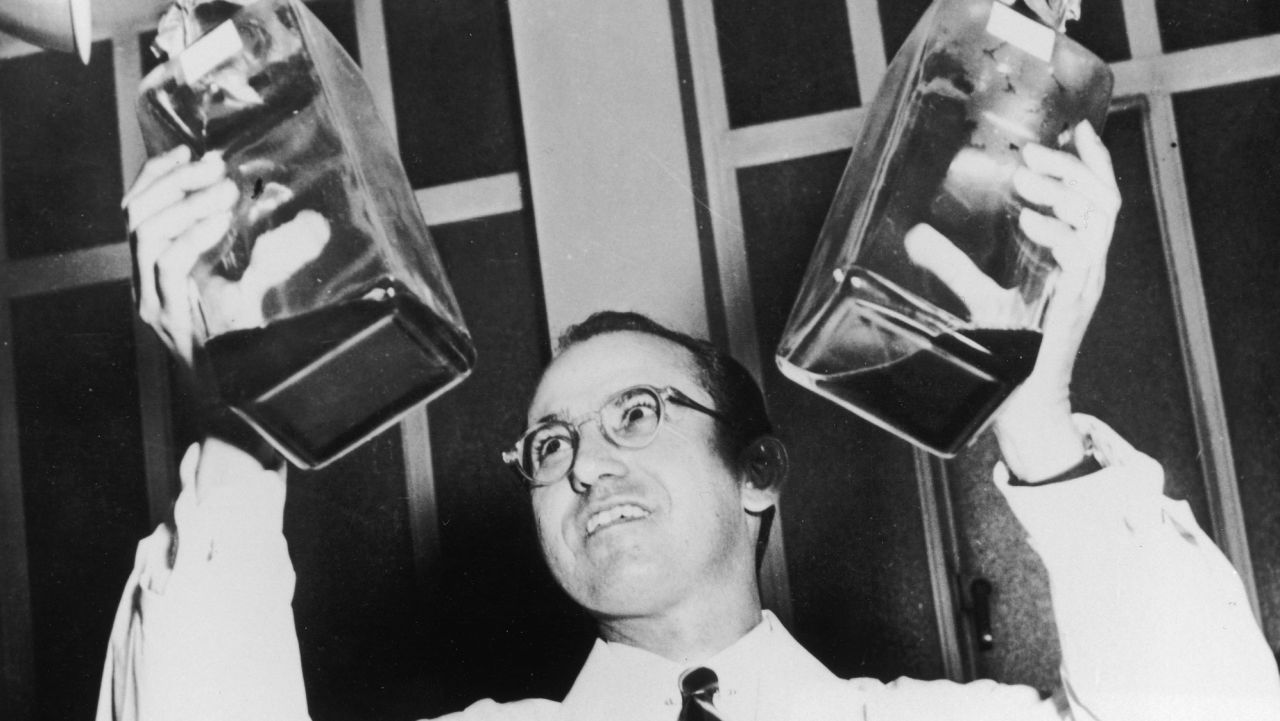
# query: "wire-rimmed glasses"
(630, 418)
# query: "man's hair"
(734, 393)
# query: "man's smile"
(614, 514)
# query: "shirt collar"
(625, 683)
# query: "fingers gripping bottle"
(922, 305)
(319, 338)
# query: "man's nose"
(598, 459)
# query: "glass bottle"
(879, 326)
(319, 343)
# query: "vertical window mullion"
(1143, 28)
(725, 208)
(17, 657)
(942, 548)
(940, 538)
(1217, 460)
(4, 224)
(868, 46)
(375, 63)
(722, 184)
(415, 428)
(151, 356)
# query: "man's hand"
(1036, 434)
(1035, 431)
(178, 210)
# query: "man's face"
(647, 527)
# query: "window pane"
(1101, 28)
(1231, 151)
(339, 17)
(59, 153)
(785, 60)
(84, 489)
(1186, 25)
(453, 78)
(356, 603)
(854, 536)
(897, 18)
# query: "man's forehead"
(589, 371)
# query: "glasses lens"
(548, 452)
(632, 417)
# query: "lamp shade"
(52, 24)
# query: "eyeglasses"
(629, 419)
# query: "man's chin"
(624, 589)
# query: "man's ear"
(764, 465)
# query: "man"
(651, 473)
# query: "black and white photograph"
(662, 360)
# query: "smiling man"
(649, 503)
(652, 475)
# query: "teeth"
(611, 515)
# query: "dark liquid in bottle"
(942, 395)
(320, 383)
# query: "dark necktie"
(697, 687)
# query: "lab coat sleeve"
(205, 629)
(1153, 620)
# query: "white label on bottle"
(1021, 31)
(216, 47)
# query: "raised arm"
(205, 626)
(1154, 622)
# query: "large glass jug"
(319, 343)
(875, 327)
